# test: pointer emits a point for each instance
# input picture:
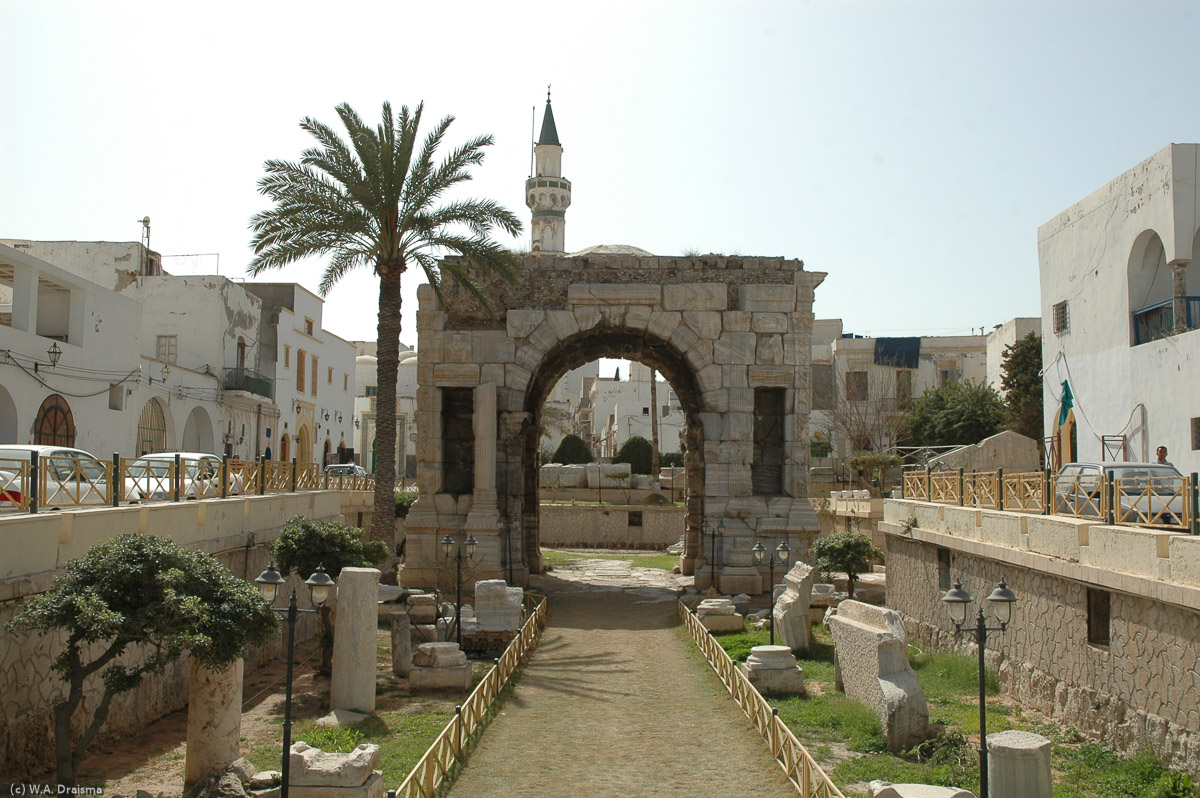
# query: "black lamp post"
(447, 546)
(508, 547)
(713, 532)
(783, 550)
(321, 588)
(1001, 601)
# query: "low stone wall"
(1141, 690)
(617, 527)
(237, 531)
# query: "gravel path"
(614, 703)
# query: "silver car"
(1145, 493)
(71, 477)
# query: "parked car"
(73, 476)
(148, 478)
(1148, 493)
(345, 470)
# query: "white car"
(346, 470)
(1149, 493)
(72, 476)
(148, 478)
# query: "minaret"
(546, 192)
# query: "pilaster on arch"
(731, 335)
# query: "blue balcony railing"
(1158, 320)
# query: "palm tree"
(373, 203)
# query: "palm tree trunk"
(383, 526)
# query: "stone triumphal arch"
(731, 335)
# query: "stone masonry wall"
(609, 527)
(1141, 691)
(238, 532)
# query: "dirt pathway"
(614, 703)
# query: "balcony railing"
(249, 380)
(1158, 320)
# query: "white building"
(1120, 293)
(622, 409)
(313, 370)
(861, 386)
(365, 413)
(1000, 338)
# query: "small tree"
(138, 589)
(638, 452)
(954, 415)
(303, 544)
(572, 451)
(875, 466)
(845, 551)
(1022, 383)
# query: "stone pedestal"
(354, 646)
(422, 608)
(497, 606)
(214, 720)
(719, 615)
(791, 619)
(740, 579)
(401, 627)
(884, 789)
(1018, 765)
(440, 666)
(773, 671)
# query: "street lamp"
(713, 532)
(447, 546)
(1000, 601)
(166, 372)
(783, 550)
(54, 353)
(356, 423)
(321, 588)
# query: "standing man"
(1161, 457)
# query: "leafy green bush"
(638, 452)
(404, 501)
(138, 589)
(304, 544)
(845, 551)
(572, 451)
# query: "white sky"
(908, 149)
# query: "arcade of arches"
(731, 335)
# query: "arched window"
(152, 429)
(54, 425)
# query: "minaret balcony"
(547, 182)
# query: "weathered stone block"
(440, 655)
(373, 787)
(614, 294)
(736, 321)
(214, 720)
(872, 659)
(312, 767)
(450, 678)
(663, 323)
(771, 376)
(768, 298)
(791, 610)
(696, 296)
(1057, 536)
(769, 322)
(456, 375)
(456, 348)
(401, 632)
(705, 323)
(885, 789)
(562, 322)
(494, 349)
(637, 317)
(770, 350)
(735, 348)
(521, 323)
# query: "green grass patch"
(738, 644)
(1090, 769)
(832, 717)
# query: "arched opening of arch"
(304, 447)
(152, 429)
(198, 431)
(54, 424)
(8, 417)
(569, 354)
(1150, 290)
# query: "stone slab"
(439, 655)
(312, 767)
(373, 787)
(722, 623)
(695, 296)
(613, 294)
(883, 789)
(454, 678)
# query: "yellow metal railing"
(1153, 501)
(981, 489)
(424, 780)
(1024, 492)
(944, 487)
(798, 765)
(915, 486)
(14, 479)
